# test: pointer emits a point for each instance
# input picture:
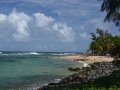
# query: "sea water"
(25, 70)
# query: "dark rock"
(74, 69)
(96, 70)
(52, 84)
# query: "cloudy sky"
(50, 25)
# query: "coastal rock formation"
(86, 74)
(74, 69)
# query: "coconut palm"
(112, 7)
(103, 43)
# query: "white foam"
(34, 53)
(84, 64)
(63, 54)
(57, 80)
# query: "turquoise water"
(25, 71)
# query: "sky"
(50, 25)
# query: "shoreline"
(87, 59)
(97, 70)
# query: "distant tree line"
(104, 43)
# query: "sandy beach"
(88, 59)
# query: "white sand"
(88, 59)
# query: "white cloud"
(84, 35)
(22, 26)
(66, 33)
(20, 21)
(42, 21)
(2, 17)
(17, 22)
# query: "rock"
(96, 70)
(74, 69)
(51, 84)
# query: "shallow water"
(31, 70)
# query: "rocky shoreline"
(86, 74)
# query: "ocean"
(27, 70)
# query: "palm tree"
(112, 7)
(116, 50)
(100, 32)
(103, 42)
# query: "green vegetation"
(104, 43)
(104, 83)
(112, 8)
